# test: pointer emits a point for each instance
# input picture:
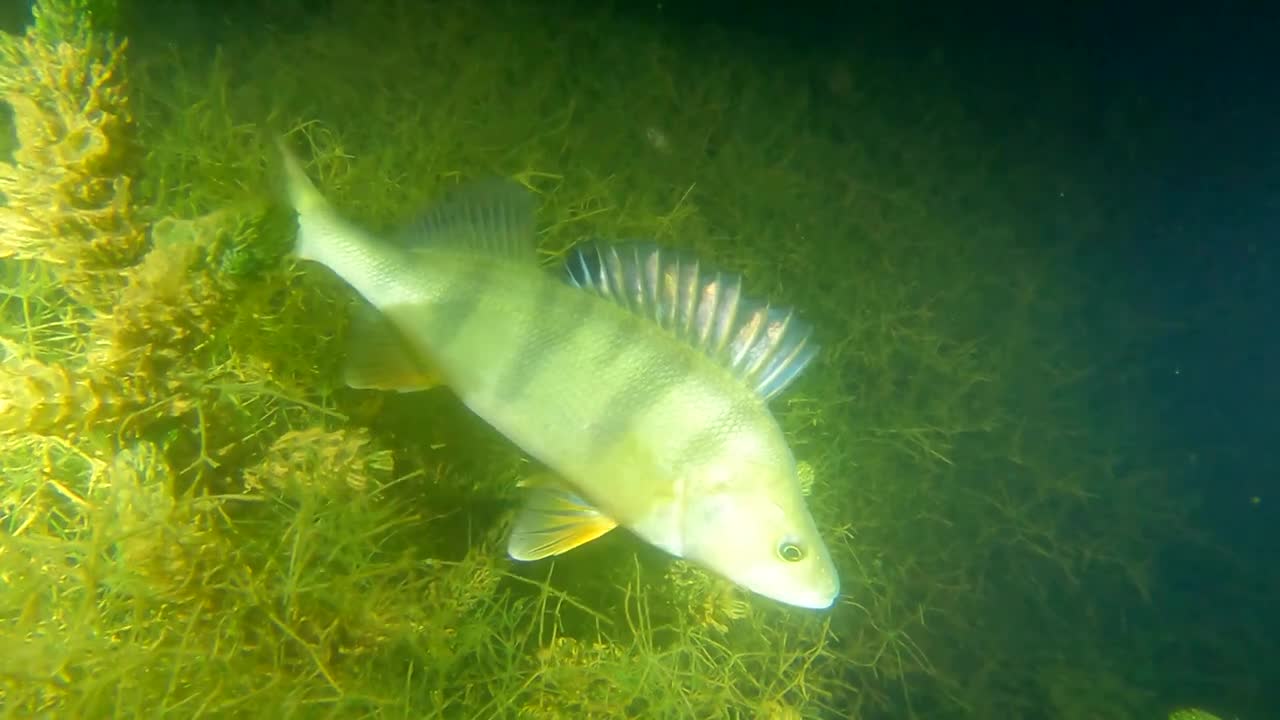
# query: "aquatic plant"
(68, 184)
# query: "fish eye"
(790, 552)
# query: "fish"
(638, 377)
(1192, 714)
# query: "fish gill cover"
(200, 520)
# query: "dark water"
(1169, 118)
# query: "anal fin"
(553, 521)
(379, 358)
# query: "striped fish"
(638, 378)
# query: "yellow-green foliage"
(68, 186)
(198, 521)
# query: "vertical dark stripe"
(624, 332)
(538, 343)
(708, 441)
(641, 391)
(461, 299)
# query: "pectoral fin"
(552, 521)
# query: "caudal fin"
(307, 201)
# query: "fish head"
(748, 522)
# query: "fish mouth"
(818, 600)
(808, 601)
(826, 592)
(820, 595)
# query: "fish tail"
(310, 205)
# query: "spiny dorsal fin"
(767, 347)
(493, 216)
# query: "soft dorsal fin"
(493, 216)
(767, 347)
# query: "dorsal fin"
(767, 347)
(494, 216)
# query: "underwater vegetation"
(198, 519)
